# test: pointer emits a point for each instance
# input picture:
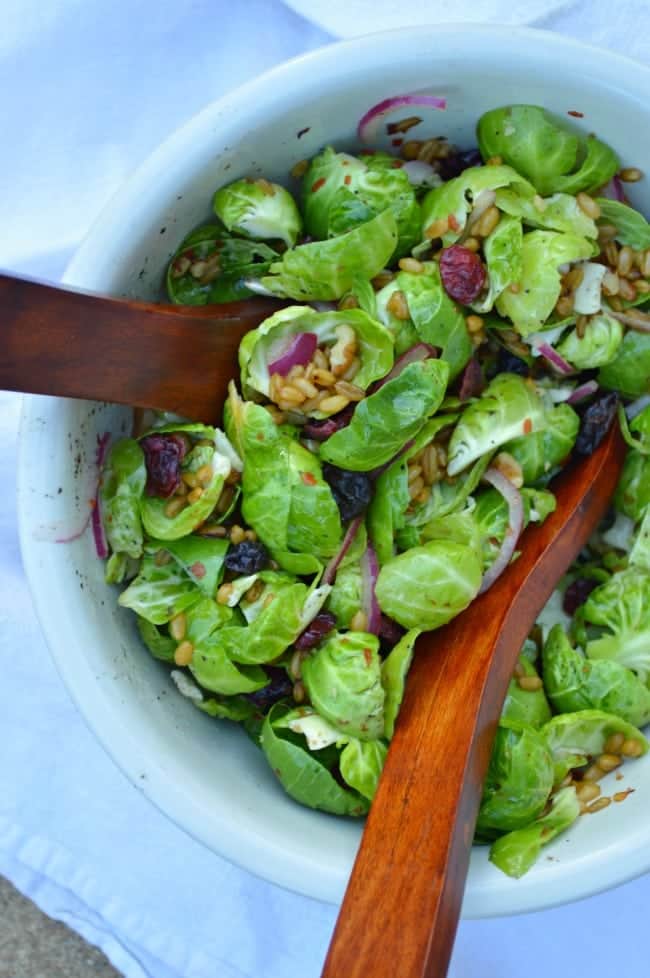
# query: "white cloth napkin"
(86, 91)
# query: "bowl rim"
(603, 872)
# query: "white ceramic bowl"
(204, 774)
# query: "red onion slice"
(472, 383)
(636, 407)
(329, 573)
(555, 359)
(421, 351)
(94, 515)
(369, 603)
(369, 123)
(299, 352)
(513, 531)
(614, 190)
(582, 392)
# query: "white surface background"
(86, 91)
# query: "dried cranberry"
(278, 687)
(247, 557)
(595, 423)
(317, 629)
(472, 383)
(352, 491)
(321, 430)
(576, 594)
(458, 161)
(389, 632)
(509, 363)
(462, 273)
(163, 455)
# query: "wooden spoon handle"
(73, 344)
(401, 907)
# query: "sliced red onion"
(94, 515)
(421, 351)
(513, 531)
(636, 407)
(420, 173)
(472, 383)
(369, 603)
(614, 190)
(369, 123)
(299, 352)
(582, 392)
(329, 573)
(101, 546)
(555, 359)
(634, 318)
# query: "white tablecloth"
(86, 91)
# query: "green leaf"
(361, 765)
(262, 345)
(542, 254)
(202, 558)
(394, 670)
(327, 269)
(560, 212)
(621, 608)
(552, 157)
(517, 851)
(122, 486)
(228, 262)
(456, 198)
(383, 422)
(503, 250)
(159, 593)
(540, 452)
(161, 645)
(632, 496)
(509, 407)
(343, 681)
(341, 192)
(574, 683)
(519, 779)
(632, 227)
(429, 585)
(629, 371)
(525, 705)
(597, 346)
(302, 775)
(258, 209)
(575, 737)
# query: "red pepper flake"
(198, 569)
(396, 142)
(528, 426)
(317, 185)
(301, 132)
(396, 164)
(347, 180)
(308, 479)
(576, 114)
(367, 654)
(92, 503)
(453, 223)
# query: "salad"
(455, 325)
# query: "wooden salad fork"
(75, 344)
(401, 908)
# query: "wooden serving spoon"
(401, 908)
(74, 344)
